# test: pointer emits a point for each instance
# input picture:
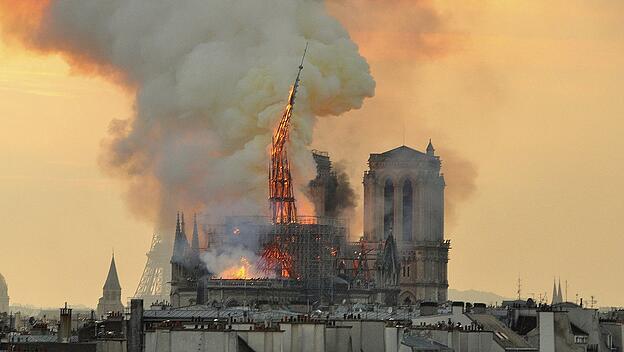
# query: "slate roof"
(576, 331)
(504, 336)
(112, 280)
(419, 343)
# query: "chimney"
(135, 326)
(479, 308)
(428, 309)
(457, 308)
(201, 290)
(64, 333)
(546, 324)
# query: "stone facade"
(404, 197)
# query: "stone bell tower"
(404, 195)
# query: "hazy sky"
(523, 98)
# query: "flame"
(238, 272)
(274, 257)
(282, 201)
(281, 197)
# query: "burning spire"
(281, 197)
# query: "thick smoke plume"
(400, 40)
(210, 79)
(343, 198)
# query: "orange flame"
(238, 272)
(274, 257)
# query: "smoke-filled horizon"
(521, 99)
(210, 79)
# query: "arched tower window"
(407, 210)
(388, 207)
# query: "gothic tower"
(111, 297)
(186, 265)
(179, 272)
(404, 197)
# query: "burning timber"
(318, 266)
(299, 259)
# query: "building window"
(407, 210)
(388, 207)
(580, 339)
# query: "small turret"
(556, 295)
(430, 149)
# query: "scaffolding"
(314, 245)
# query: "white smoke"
(226, 258)
(211, 78)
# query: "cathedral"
(404, 199)
(111, 296)
(186, 265)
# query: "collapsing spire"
(281, 197)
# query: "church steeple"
(195, 239)
(111, 295)
(180, 244)
(112, 280)
(556, 295)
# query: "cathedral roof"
(112, 280)
(402, 151)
